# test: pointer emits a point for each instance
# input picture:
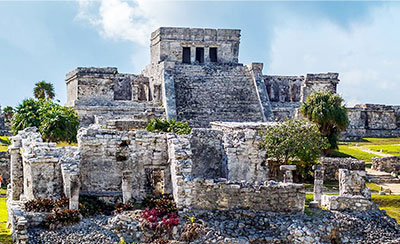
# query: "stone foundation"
(332, 166)
(387, 164)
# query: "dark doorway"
(200, 54)
(213, 54)
(186, 55)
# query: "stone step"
(383, 179)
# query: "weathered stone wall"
(319, 82)
(372, 120)
(102, 93)
(206, 93)
(242, 162)
(387, 164)
(5, 168)
(244, 158)
(106, 154)
(353, 194)
(227, 195)
(167, 44)
(332, 166)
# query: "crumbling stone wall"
(235, 189)
(353, 194)
(5, 168)
(227, 195)
(332, 166)
(106, 154)
(387, 164)
(372, 120)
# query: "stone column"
(75, 186)
(127, 186)
(288, 176)
(318, 185)
(16, 168)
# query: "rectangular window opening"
(200, 54)
(186, 55)
(213, 54)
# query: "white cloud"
(119, 20)
(367, 55)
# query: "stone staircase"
(206, 93)
(379, 177)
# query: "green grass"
(3, 148)
(5, 235)
(353, 149)
(354, 152)
(66, 144)
(390, 203)
(389, 149)
(373, 187)
(4, 142)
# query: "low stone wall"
(387, 164)
(5, 168)
(332, 166)
(348, 203)
(226, 195)
(17, 223)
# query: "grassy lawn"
(390, 203)
(353, 149)
(5, 236)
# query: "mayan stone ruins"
(218, 172)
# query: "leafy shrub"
(168, 125)
(62, 217)
(90, 206)
(55, 122)
(121, 207)
(62, 203)
(40, 205)
(191, 231)
(296, 141)
(159, 217)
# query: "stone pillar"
(288, 176)
(75, 186)
(127, 186)
(318, 185)
(16, 168)
(352, 183)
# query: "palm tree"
(43, 89)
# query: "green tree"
(327, 111)
(293, 141)
(8, 113)
(55, 122)
(43, 90)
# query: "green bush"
(168, 125)
(62, 217)
(55, 122)
(293, 142)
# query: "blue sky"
(44, 40)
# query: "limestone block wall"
(206, 93)
(387, 164)
(106, 154)
(373, 120)
(167, 44)
(227, 195)
(319, 82)
(5, 167)
(353, 194)
(332, 166)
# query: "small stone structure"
(387, 164)
(318, 185)
(288, 175)
(332, 166)
(353, 194)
